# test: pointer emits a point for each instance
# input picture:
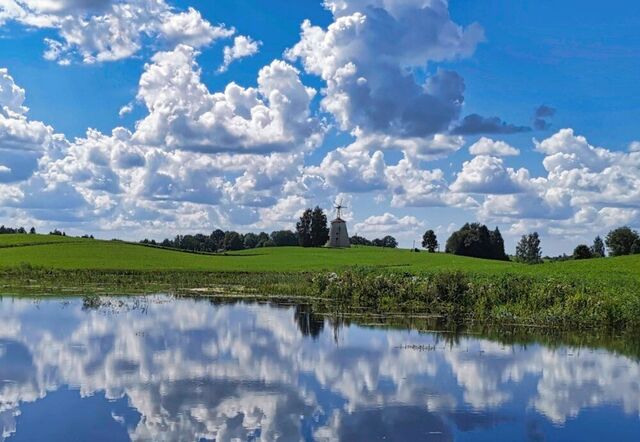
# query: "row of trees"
(476, 240)
(220, 240)
(386, 241)
(17, 230)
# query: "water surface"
(161, 369)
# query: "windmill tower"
(338, 235)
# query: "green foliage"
(597, 249)
(582, 252)
(623, 241)
(430, 241)
(312, 228)
(303, 228)
(388, 242)
(233, 241)
(283, 238)
(477, 241)
(319, 228)
(528, 250)
(584, 293)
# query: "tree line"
(311, 231)
(220, 240)
(477, 241)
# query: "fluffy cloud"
(23, 142)
(487, 146)
(366, 57)
(487, 175)
(586, 188)
(242, 47)
(104, 30)
(351, 169)
(388, 223)
(197, 158)
(184, 115)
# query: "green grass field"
(68, 253)
(603, 292)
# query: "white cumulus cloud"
(243, 47)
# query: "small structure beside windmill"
(338, 235)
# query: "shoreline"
(459, 296)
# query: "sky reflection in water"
(162, 369)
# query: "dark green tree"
(217, 238)
(356, 240)
(303, 228)
(263, 239)
(319, 229)
(597, 249)
(621, 241)
(283, 238)
(528, 250)
(389, 242)
(477, 241)
(233, 241)
(582, 252)
(497, 246)
(251, 241)
(430, 241)
(32, 231)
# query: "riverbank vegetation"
(577, 293)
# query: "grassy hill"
(57, 252)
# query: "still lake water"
(161, 369)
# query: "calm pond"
(164, 369)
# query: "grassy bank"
(585, 294)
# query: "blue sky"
(384, 127)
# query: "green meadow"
(591, 292)
(68, 253)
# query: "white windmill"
(338, 235)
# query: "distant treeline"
(22, 231)
(220, 241)
(312, 230)
(17, 230)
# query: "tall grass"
(506, 298)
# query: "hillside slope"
(77, 253)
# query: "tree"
(284, 238)
(32, 231)
(303, 228)
(319, 229)
(217, 238)
(621, 241)
(263, 239)
(389, 242)
(497, 246)
(528, 249)
(430, 241)
(597, 249)
(582, 252)
(233, 241)
(356, 240)
(251, 241)
(477, 241)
